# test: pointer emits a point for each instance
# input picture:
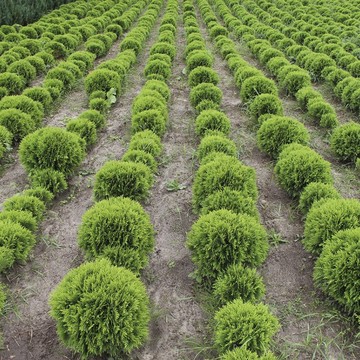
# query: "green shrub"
(198, 58)
(295, 80)
(216, 143)
(89, 298)
(41, 193)
(265, 104)
(158, 86)
(47, 58)
(55, 88)
(230, 200)
(52, 148)
(104, 80)
(336, 271)
(157, 69)
(152, 119)
(139, 156)
(255, 86)
(241, 353)
(205, 91)
(17, 122)
(202, 74)
(87, 57)
(96, 47)
(207, 105)
(146, 141)
(305, 94)
(246, 72)
(3, 294)
(240, 324)
(319, 109)
(84, 128)
(5, 139)
(101, 105)
(56, 49)
(49, 179)
(16, 243)
(223, 171)
(24, 218)
(39, 94)
(64, 75)
(26, 203)
(279, 131)
(314, 192)
(12, 82)
(222, 238)
(116, 29)
(345, 142)
(38, 63)
(145, 102)
(95, 117)
(297, 168)
(119, 230)
(23, 69)
(72, 67)
(212, 120)
(238, 282)
(3, 92)
(120, 178)
(163, 48)
(326, 218)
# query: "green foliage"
(146, 141)
(49, 179)
(101, 105)
(7, 258)
(255, 86)
(23, 69)
(202, 74)
(207, 105)
(24, 218)
(3, 294)
(345, 141)
(209, 120)
(279, 131)
(216, 143)
(119, 230)
(96, 47)
(205, 91)
(240, 324)
(17, 122)
(26, 203)
(295, 80)
(41, 193)
(241, 353)
(84, 128)
(223, 171)
(104, 80)
(64, 75)
(158, 86)
(152, 119)
(86, 57)
(299, 166)
(305, 94)
(12, 82)
(336, 271)
(265, 104)
(5, 140)
(246, 72)
(95, 117)
(120, 178)
(326, 218)
(238, 282)
(52, 148)
(55, 88)
(222, 238)
(163, 48)
(38, 63)
(139, 156)
(157, 69)
(320, 110)
(89, 298)
(198, 58)
(39, 94)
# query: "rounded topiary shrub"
(101, 105)
(207, 105)
(53, 148)
(295, 80)
(337, 269)
(223, 171)
(151, 119)
(120, 230)
(89, 298)
(345, 141)
(7, 258)
(146, 141)
(26, 203)
(139, 156)
(95, 117)
(241, 353)
(17, 122)
(278, 131)
(238, 282)
(216, 143)
(233, 200)
(5, 140)
(203, 74)
(222, 238)
(123, 178)
(205, 91)
(159, 86)
(326, 218)
(198, 58)
(314, 192)
(255, 86)
(14, 83)
(157, 69)
(24, 218)
(212, 120)
(299, 166)
(40, 94)
(265, 104)
(104, 80)
(49, 179)
(41, 193)
(84, 128)
(244, 324)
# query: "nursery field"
(179, 179)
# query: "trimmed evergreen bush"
(205, 91)
(139, 156)
(64, 75)
(41, 193)
(95, 117)
(255, 86)
(5, 140)
(119, 230)
(212, 120)
(146, 141)
(157, 69)
(222, 238)
(26, 203)
(17, 122)
(241, 353)
(151, 119)
(295, 80)
(24, 218)
(158, 86)
(89, 298)
(305, 94)
(49, 179)
(39, 94)
(104, 80)
(216, 143)
(198, 58)
(14, 83)
(265, 104)
(202, 74)
(23, 69)
(84, 128)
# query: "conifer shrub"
(14, 83)
(72, 67)
(245, 72)
(207, 105)
(149, 102)
(337, 271)
(119, 230)
(56, 49)
(18, 123)
(305, 94)
(152, 119)
(212, 120)
(326, 218)
(52, 148)
(335, 76)
(241, 353)
(314, 192)
(101, 105)
(345, 142)
(157, 69)
(222, 238)
(323, 112)
(295, 80)
(268, 54)
(41, 193)
(163, 57)
(238, 282)
(26, 203)
(96, 47)
(3, 91)
(279, 131)
(104, 80)
(39, 94)
(95, 117)
(202, 74)
(23, 69)
(216, 142)
(158, 86)
(223, 171)
(296, 169)
(205, 91)
(49, 179)
(240, 324)
(232, 200)
(24, 218)
(55, 88)
(139, 156)
(64, 75)
(194, 46)
(89, 298)
(86, 57)
(275, 64)
(5, 140)
(265, 104)
(7, 258)
(3, 294)
(123, 178)
(146, 141)
(198, 58)
(98, 94)
(84, 128)
(131, 43)
(163, 48)
(255, 86)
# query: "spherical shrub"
(104, 80)
(255, 86)
(95, 117)
(139, 156)
(64, 75)
(3, 92)
(152, 119)
(84, 128)
(222, 238)
(205, 91)
(241, 353)
(122, 178)
(96, 47)
(295, 80)
(314, 192)
(240, 324)
(305, 94)
(146, 102)
(212, 120)
(16, 242)
(86, 57)
(17, 122)
(202, 74)
(216, 143)
(120, 230)
(158, 86)
(238, 282)
(157, 69)
(296, 169)
(345, 141)
(55, 88)
(319, 109)
(26, 203)
(5, 140)
(24, 218)
(163, 48)
(230, 200)
(326, 218)
(24, 69)
(53, 148)
(207, 105)
(38, 63)
(101, 105)
(337, 271)
(89, 298)
(39, 94)
(279, 131)
(246, 72)
(265, 104)
(49, 179)
(41, 193)
(72, 67)
(198, 58)
(146, 141)
(223, 171)
(14, 83)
